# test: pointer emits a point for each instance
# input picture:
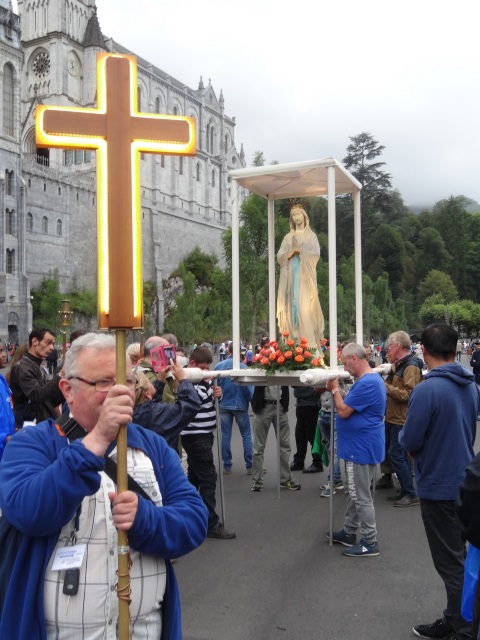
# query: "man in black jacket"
(34, 398)
(264, 405)
(475, 361)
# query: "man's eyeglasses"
(105, 385)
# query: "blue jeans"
(243, 422)
(324, 423)
(400, 462)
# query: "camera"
(161, 356)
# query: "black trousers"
(305, 433)
(448, 554)
(201, 470)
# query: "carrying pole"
(220, 465)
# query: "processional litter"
(325, 177)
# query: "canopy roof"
(296, 179)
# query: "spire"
(242, 155)
(221, 100)
(93, 34)
(200, 84)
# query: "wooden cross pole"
(119, 133)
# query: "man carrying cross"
(54, 489)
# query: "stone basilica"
(48, 196)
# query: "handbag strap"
(70, 428)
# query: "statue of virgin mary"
(298, 307)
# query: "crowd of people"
(417, 421)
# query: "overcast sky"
(302, 76)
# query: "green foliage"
(46, 303)
(253, 262)
(415, 267)
(47, 300)
(186, 319)
(201, 265)
(437, 282)
(84, 302)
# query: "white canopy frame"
(275, 182)
(325, 177)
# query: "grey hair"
(354, 349)
(95, 341)
(402, 338)
(171, 338)
(133, 352)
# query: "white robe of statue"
(298, 307)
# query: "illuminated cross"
(119, 133)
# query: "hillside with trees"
(418, 267)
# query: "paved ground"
(281, 580)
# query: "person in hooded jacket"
(440, 432)
(165, 418)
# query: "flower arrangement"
(288, 354)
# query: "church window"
(162, 161)
(68, 157)
(157, 105)
(175, 110)
(29, 222)
(226, 143)
(139, 98)
(44, 224)
(180, 165)
(41, 64)
(59, 227)
(8, 183)
(87, 156)
(10, 261)
(208, 137)
(44, 186)
(43, 157)
(59, 191)
(29, 183)
(198, 171)
(10, 222)
(8, 100)
(212, 150)
(213, 178)
(78, 156)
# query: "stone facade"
(185, 201)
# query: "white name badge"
(69, 557)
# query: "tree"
(201, 265)
(46, 303)
(431, 252)
(258, 159)
(361, 154)
(253, 260)
(186, 318)
(437, 282)
(387, 243)
(451, 220)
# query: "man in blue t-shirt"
(361, 443)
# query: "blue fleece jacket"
(43, 479)
(440, 430)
